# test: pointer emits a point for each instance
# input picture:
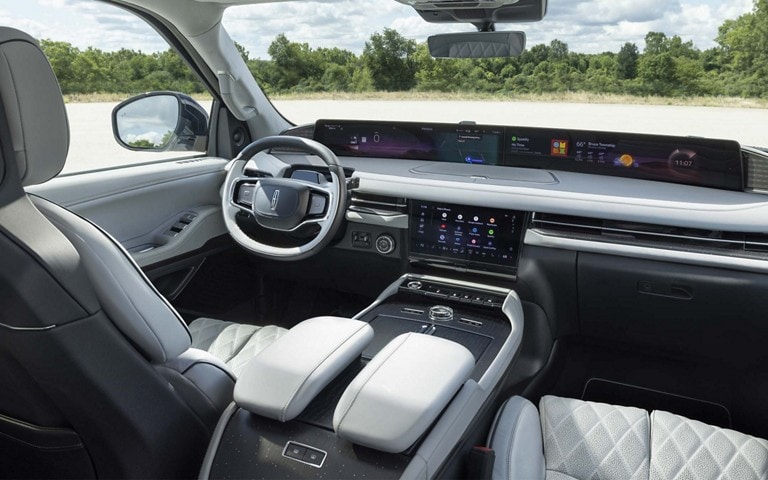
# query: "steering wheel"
(284, 205)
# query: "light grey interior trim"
(213, 446)
(133, 203)
(278, 383)
(401, 391)
(392, 221)
(516, 439)
(577, 194)
(486, 172)
(82, 189)
(536, 238)
(208, 224)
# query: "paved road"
(93, 145)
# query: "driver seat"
(97, 370)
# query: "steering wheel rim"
(334, 192)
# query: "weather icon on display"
(625, 160)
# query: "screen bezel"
(464, 265)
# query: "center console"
(391, 392)
(396, 410)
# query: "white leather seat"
(233, 343)
(570, 439)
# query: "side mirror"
(161, 122)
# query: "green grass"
(563, 97)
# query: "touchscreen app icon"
(559, 147)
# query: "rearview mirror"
(161, 122)
(477, 44)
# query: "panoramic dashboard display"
(464, 236)
(438, 142)
(688, 160)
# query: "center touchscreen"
(475, 238)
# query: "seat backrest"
(81, 396)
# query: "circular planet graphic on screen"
(626, 160)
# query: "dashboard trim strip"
(539, 239)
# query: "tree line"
(666, 66)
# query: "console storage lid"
(282, 379)
(403, 389)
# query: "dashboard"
(667, 198)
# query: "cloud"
(587, 26)
(84, 24)
(333, 23)
(593, 26)
(608, 12)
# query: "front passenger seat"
(96, 371)
(568, 439)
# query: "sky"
(587, 26)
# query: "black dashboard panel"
(688, 160)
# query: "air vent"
(652, 235)
(378, 204)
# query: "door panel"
(157, 211)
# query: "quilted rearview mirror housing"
(477, 44)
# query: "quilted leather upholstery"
(231, 340)
(687, 449)
(589, 440)
(258, 342)
(234, 344)
(205, 330)
(479, 50)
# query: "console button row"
(304, 454)
(453, 293)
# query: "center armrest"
(403, 389)
(282, 379)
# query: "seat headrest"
(36, 119)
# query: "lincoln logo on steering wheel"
(275, 198)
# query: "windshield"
(653, 66)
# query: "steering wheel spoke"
(284, 205)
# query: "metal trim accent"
(27, 329)
(539, 239)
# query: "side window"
(102, 56)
